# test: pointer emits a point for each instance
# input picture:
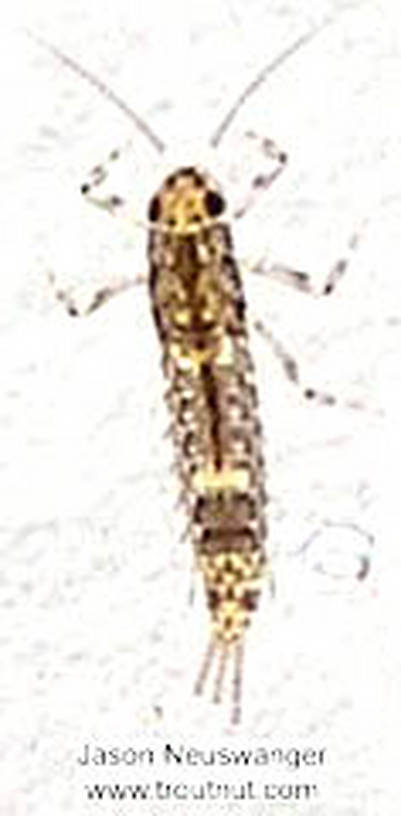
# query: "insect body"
(199, 310)
(200, 315)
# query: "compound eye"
(214, 203)
(154, 209)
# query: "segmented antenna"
(262, 76)
(140, 123)
(104, 89)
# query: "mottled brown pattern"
(199, 310)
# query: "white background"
(98, 641)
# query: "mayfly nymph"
(200, 314)
(199, 310)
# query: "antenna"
(262, 76)
(222, 128)
(107, 92)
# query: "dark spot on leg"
(116, 201)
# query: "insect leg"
(291, 370)
(262, 181)
(111, 203)
(96, 178)
(101, 296)
(301, 280)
